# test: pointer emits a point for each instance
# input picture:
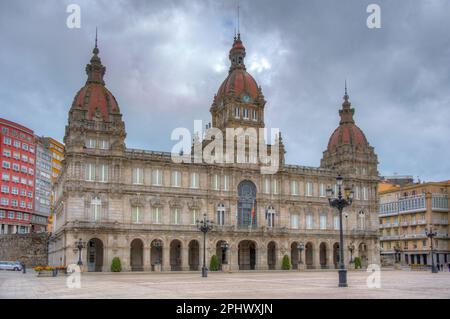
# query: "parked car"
(10, 265)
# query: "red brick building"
(17, 177)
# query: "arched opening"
(271, 255)
(294, 255)
(194, 255)
(323, 255)
(247, 208)
(175, 255)
(247, 255)
(362, 253)
(336, 255)
(137, 255)
(95, 255)
(221, 253)
(156, 253)
(309, 256)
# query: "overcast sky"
(165, 61)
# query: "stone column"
(166, 257)
(316, 256)
(146, 255)
(233, 258)
(261, 258)
(184, 258)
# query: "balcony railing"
(437, 221)
(439, 202)
(404, 223)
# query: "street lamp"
(351, 248)
(340, 202)
(430, 234)
(224, 245)
(300, 247)
(204, 226)
(80, 245)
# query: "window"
(16, 167)
(23, 192)
(175, 218)
(323, 221)
(11, 215)
(194, 180)
(26, 216)
(157, 177)
(361, 220)
(5, 189)
(6, 164)
(91, 143)
(30, 205)
(136, 214)
(215, 182)
(156, 215)
(30, 171)
(25, 147)
(237, 112)
(104, 144)
(266, 185)
(16, 144)
(5, 130)
(322, 190)
(220, 220)
(16, 155)
(5, 201)
(23, 169)
(24, 158)
(2, 214)
(309, 189)
(226, 182)
(30, 182)
(96, 205)
(7, 153)
(15, 179)
(7, 140)
(294, 188)
(90, 172)
(23, 181)
(5, 177)
(275, 186)
(357, 192)
(176, 178)
(19, 216)
(22, 204)
(270, 216)
(30, 194)
(309, 221)
(364, 193)
(103, 173)
(31, 149)
(245, 113)
(255, 115)
(294, 221)
(336, 223)
(14, 202)
(138, 175)
(194, 216)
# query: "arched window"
(247, 206)
(96, 205)
(361, 220)
(220, 214)
(270, 216)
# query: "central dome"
(239, 83)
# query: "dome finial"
(96, 50)
(95, 70)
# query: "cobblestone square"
(251, 285)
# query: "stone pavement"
(252, 285)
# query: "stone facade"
(28, 248)
(142, 206)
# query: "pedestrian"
(438, 267)
(442, 267)
(448, 265)
(24, 268)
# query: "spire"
(95, 70)
(346, 113)
(237, 52)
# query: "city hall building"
(142, 206)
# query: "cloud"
(166, 59)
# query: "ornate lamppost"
(340, 202)
(431, 234)
(80, 245)
(300, 247)
(351, 248)
(224, 245)
(204, 226)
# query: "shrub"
(214, 264)
(116, 265)
(286, 264)
(357, 262)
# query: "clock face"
(246, 98)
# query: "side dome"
(347, 133)
(94, 97)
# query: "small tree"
(214, 264)
(116, 265)
(286, 264)
(357, 262)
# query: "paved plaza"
(252, 285)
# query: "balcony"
(437, 221)
(412, 204)
(439, 202)
(404, 223)
(422, 222)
